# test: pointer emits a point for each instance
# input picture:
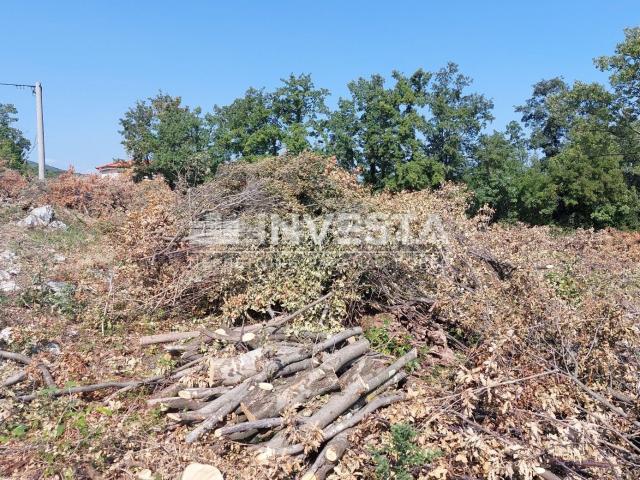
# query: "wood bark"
(228, 402)
(168, 337)
(328, 457)
(13, 379)
(305, 385)
(202, 393)
(339, 403)
(176, 403)
(266, 453)
(254, 425)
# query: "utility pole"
(37, 90)
(40, 130)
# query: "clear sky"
(95, 59)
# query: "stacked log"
(276, 394)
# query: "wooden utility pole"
(40, 130)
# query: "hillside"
(525, 338)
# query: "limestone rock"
(38, 217)
(200, 471)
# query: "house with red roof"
(115, 168)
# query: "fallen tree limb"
(338, 404)
(177, 403)
(596, 396)
(57, 392)
(305, 385)
(255, 425)
(13, 379)
(16, 357)
(202, 393)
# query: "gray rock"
(200, 471)
(38, 217)
(47, 346)
(7, 256)
(8, 286)
(57, 224)
(5, 335)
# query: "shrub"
(90, 194)
(402, 456)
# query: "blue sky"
(95, 59)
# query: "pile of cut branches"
(285, 395)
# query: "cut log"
(202, 393)
(228, 402)
(328, 457)
(363, 368)
(175, 403)
(168, 337)
(397, 378)
(338, 404)
(254, 425)
(233, 370)
(266, 453)
(305, 385)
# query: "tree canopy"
(14, 147)
(573, 159)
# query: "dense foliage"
(13, 145)
(572, 160)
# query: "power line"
(20, 86)
(17, 85)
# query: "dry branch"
(13, 379)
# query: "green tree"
(538, 195)
(500, 161)
(379, 128)
(456, 120)
(425, 172)
(589, 181)
(163, 136)
(291, 118)
(301, 112)
(14, 147)
(548, 132)
(624, 69)
(555, 107)
(246, 128)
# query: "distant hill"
(48, 169)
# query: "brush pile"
(509, 351)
